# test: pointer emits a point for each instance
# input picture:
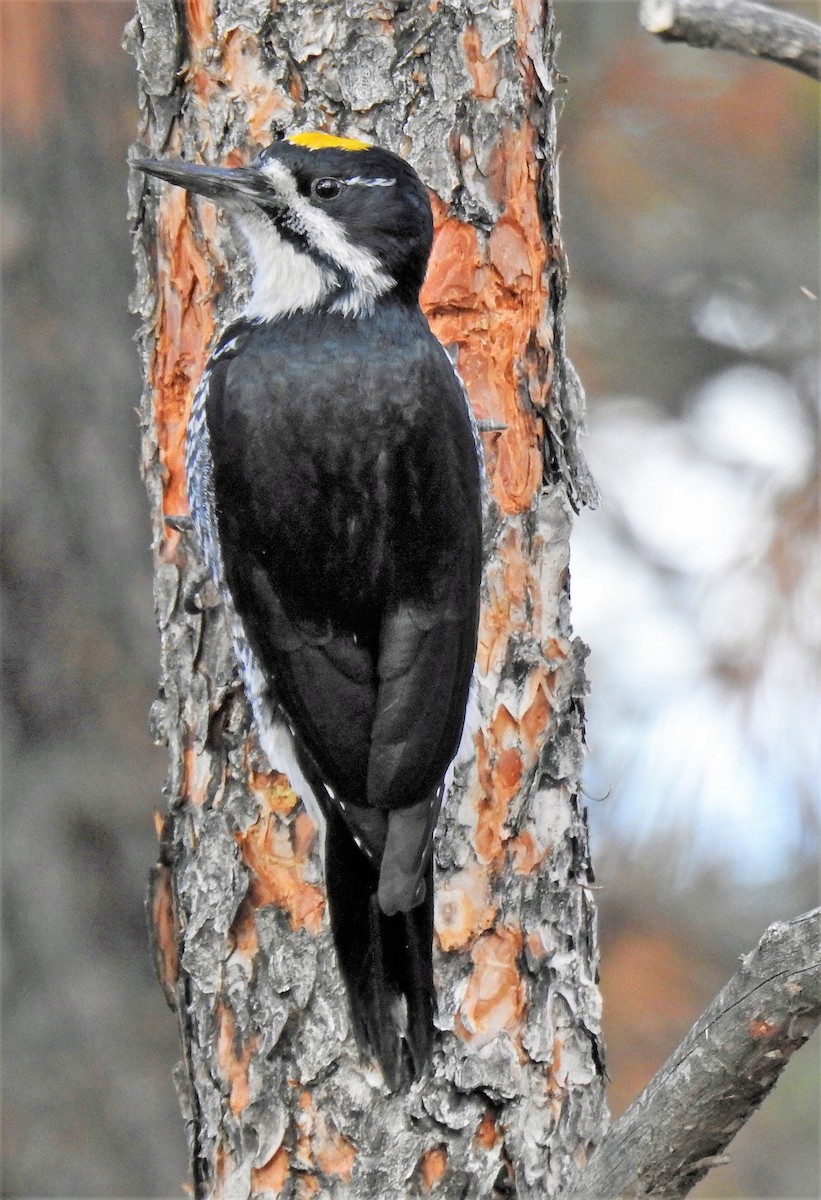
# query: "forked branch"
(738, 25)
(681, 1123)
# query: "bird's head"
(330, 222)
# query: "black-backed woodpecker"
(334, 480)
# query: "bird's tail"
(386, 961)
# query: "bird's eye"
(326, 189)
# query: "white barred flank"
(199, 479)
(274, 733)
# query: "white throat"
(286, 280)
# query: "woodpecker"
(334, 480)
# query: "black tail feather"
(411, 967)
(384, 960)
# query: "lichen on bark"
(275, 1097)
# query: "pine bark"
(275, 1097)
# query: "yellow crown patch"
(326, 141)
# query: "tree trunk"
(275, 1097)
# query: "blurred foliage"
(689, 198)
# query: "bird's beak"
(235, 187)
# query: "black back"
(348, 502)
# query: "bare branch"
(679, 1126)
(738, 25)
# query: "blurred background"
(689, 185)
(690, 205)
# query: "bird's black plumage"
(335, 482)
(347, 503)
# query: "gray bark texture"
(738, 25)
(275, 1097)
(677, 1129)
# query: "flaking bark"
(275, 1097)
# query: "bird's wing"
(382, 732)
(324, 679)
(425, 662)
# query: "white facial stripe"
(286, 280)
(357, 181)
(328, 237)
